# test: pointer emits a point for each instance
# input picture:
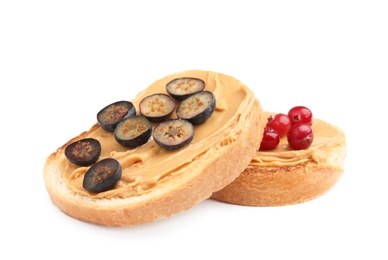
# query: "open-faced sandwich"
(300, 158)
(181, 139)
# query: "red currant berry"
(280, 123)
(270, 139)
(300, 136)
(300, 115)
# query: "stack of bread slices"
(222, 162)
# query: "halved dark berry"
(157, 107)
(112, 114)
(197, 108)
(83, 152)
(181, 88)
(173, 134)
(103, 175)
(134, 131)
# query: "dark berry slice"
(270, 139)
(181, 88)
(281, 123)
(300, 115)
(134, 131)
(173, 134)
(300, 136)
(102, 176)
(197, 108)
(83, 152)
(157, 107)
(112, 114)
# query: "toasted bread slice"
(157, 183)
(284, 176)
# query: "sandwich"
(184, 137)
(281, 173)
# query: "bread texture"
(215, 166)
(279, 178)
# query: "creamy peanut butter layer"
(149, 165)
(325, 135)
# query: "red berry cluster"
(296, 125)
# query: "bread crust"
(287, 184)
(210, 172)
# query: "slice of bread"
(157, 183)
(284, 176)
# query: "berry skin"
(270, 139)
(300, 115)
(280, 123)
(300, 136)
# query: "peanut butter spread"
(326, 136)
(149, 165)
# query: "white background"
(62, 61)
